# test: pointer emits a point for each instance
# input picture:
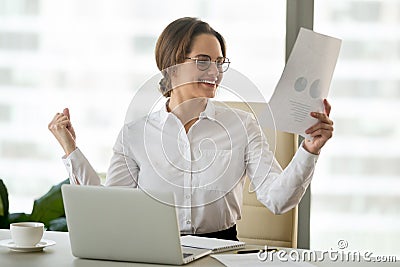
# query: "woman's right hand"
(62, 129)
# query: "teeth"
(206, 81)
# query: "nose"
(213, 69)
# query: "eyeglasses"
(203, 62)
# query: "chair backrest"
(258, 225)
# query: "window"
(92, 56)
(19, 7)
(18, 41)
(356, 190)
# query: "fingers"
(327, 107)
(322, 132)
(322, 117)
(69, 126)
(59, 125)
(319, 126)
(66, 113)
(59, 117)
(324, 125)
(56, 116)
(62, 119)
(324, 121)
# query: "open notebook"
(213, 244)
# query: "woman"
(197, 149)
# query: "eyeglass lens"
(203, 63)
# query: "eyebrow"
(208, 56)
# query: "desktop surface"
(60, 255)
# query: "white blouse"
(205, 167)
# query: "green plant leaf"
(50, 206)
(18, 217)
(59, 224)
(3, 206)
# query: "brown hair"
(175, 43)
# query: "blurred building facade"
(356, 190)
(91, 56)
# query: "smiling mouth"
(208, 82)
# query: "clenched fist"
(63, 131)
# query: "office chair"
(258, 225)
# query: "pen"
(247, 251)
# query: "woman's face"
(190, 82)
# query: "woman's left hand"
(321, 131)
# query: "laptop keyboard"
(185, 255)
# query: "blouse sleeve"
(279, 190)
(79, 169)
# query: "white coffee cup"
(26, 234)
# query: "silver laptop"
(124, 224)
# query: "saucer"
(9, 243)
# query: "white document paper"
(304, 82)
(240, 260)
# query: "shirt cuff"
(306, 157)
(74, 156)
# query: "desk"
(60, 255)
